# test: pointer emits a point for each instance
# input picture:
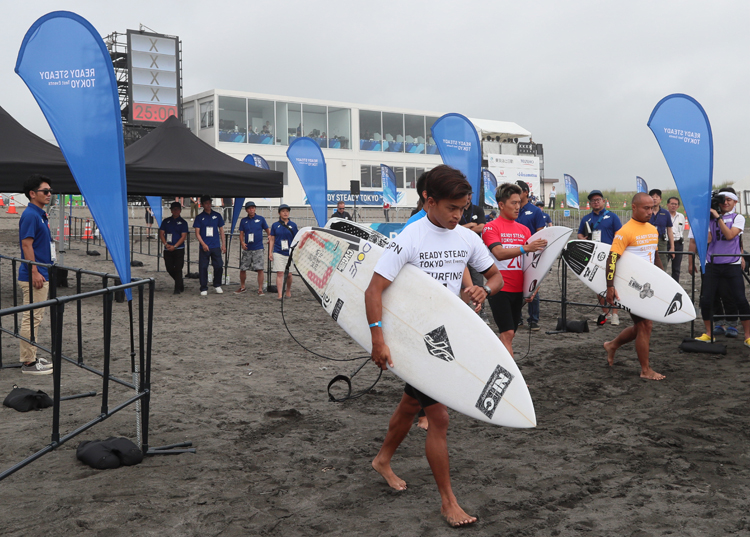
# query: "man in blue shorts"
(448, 193)
(251, 239)
(209, 230)
(173, 234)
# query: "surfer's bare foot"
(394, 481)
(422, 422)
(650, 374)
(456, 517)
(610, 352)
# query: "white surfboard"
(644, 289)
(438, 344)
(536, 265)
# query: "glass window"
(282, 125)
(377, 178)
(431, 147)
(399, 171)
(295, 129)
(415, 135)
(365, 181)
(393, 132)
(207, 114)
(315, 122)
(418, 173)
(281, 166)
(232, 119)
(339, 128)
(188, 117)
(411, 181)
(370, 131)
(260, 117)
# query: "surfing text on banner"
(66, 66)
(390, 194)
(155, 203)
(260, 162)
(571, 192)
(310, 165)
(640, 185)
(458, 143)
(682, 129)
(490, 186)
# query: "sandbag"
(24, 399)
(108, 454)
(692, 345)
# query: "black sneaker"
(534, 327)
(601, 320)
(37, 367)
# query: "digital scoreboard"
(154, 78)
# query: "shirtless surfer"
(448, 193)
(642, 239)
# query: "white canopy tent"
(504, 130)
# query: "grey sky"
(582, 76)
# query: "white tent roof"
(503, 129)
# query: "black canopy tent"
(169, 161)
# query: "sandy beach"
(612, 454)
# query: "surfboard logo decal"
(601, 256)
(344, 260)
(590, 272)
(337, 309)
(438, 344)
(366, 247)
(535, 259)
(645, 289)
(675, 305)
(493, 391)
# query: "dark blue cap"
(595, 193)
(284, 206)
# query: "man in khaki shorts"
(279, 241)
(251, 239)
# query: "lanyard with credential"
(604, 212)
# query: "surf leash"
(337, 378)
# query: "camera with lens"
(717, 199)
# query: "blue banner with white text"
(390, 194)
(458, 143)
(310, 165)
(682, 129)
(66, 66)
(260, 162)
(640, 185)
(490, 186)
(571, 192)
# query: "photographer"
(724, 274)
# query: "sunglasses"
(45, 191)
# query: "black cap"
(249, 204)
(539, 203)
(654, 191)
(595, 193)
(524, 185)
(205, 199)
(283, 206)
(175, 205)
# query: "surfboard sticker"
(493, 391)
(675, 305)
(438, 344)
(358, 231)
(317, 263)
(537, 265)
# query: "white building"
(355, 139)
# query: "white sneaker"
(615, 320)
(219, 290)
(204, 293)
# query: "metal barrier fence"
(111, 291)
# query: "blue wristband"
(379, 324)
(522, 250)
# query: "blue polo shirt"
(416, 216)
(547, 219)
(209, 225)
(608, 225)
(253, 228)
(33, 225)
(281, 233)
(173, 229)
(662, 220)
(531, 216)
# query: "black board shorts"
(506, 310)
(424, 400)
